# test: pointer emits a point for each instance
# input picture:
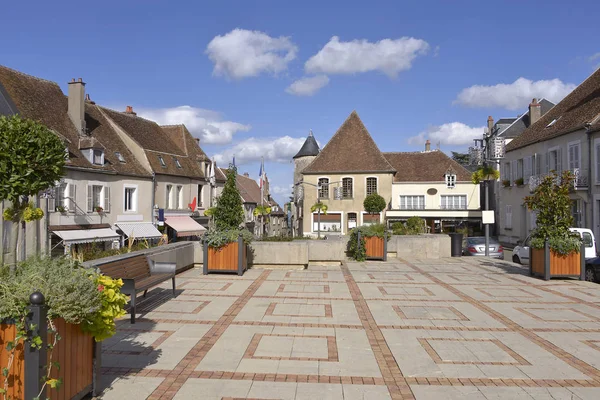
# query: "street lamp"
(490, 148)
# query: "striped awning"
(87, 235)
(185, 226)
(139, 230)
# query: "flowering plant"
(101, 324)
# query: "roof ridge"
(129, 115)
(29, 76)
(171, 125)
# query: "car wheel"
(590, 276)
(516, 259)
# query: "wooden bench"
(138, 274)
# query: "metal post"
(240, 255)
(546, 261)
(582, 262)
(205, 255)
(36, 358)
(487, 226)
(385, 246)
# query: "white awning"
(87, 235)
(185, 226)
(139, 230)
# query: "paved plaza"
(461, 328)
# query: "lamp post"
(490, 148)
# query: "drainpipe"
(153, 198)
(590, 196)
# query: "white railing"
(580, 182)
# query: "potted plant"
(98, 209)
(555, 250)
(61, 209)
(519, 182)
(74, 307)
(368, 242)
(485, 173)
(226, 244)
(506, 183)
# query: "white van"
(521, 252)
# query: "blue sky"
(412, 70)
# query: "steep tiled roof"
(351, 149)
(44, 101)
(428, 166)
(157, 145)
(185, 141)
(249, 189)
(581, 106)
(309, 148)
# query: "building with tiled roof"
(433, 186)
(566, 137)
(114, 177)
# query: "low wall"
(419, 246)
(327, 250)
(278, 254)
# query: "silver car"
(475, 246)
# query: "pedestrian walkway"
(463, 328)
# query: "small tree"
(374, 204)
(229, 211)
(319, 208)
(32, 159)
(552, 203)
(461, 158)
(262, 211)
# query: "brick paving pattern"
(404, 329)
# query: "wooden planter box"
(548, 264)
(76, 352)
(233, 257)
(376, 247)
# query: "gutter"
(590, 196)
(153, 198)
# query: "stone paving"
(405, 329)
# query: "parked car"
(592, 269)
(475, 246)
(521, 251)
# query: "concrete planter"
(549, 264)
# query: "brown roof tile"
(180, 135)
(581, 106)
(44, 101)
(428, 166)
(351, 149)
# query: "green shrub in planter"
(219, 238)
(358, 252)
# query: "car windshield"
(480, 240)
(587, 239)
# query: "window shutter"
(547, 170)
(106, 199)
(72, 201)
(51, 201)
(559, 160)
(90, 201)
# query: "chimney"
(197, 141)
(88, 99)
(427, 145)
(129, 110)
(76, 104)
(247, 175)
(535, 111)
(490, 125)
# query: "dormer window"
(162, 162)
(177, 162)
(97, 157)
(450, 180)
(67, 155)
(120, 157)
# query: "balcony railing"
(412, 207)
(580, 182)
(453, 206)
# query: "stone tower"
(306, 155)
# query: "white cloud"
(594, 57)
(281, 190)
(453, 134)
(242, 53)
(280, 150)
(206, 124)
(513, 96)
(389, 56)
(308, 86)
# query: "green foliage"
(374, 203)
(262, 210)
(461, 158)
(101, 324)
(484, 173)
(219, 238)
(413, 226)
(552, 203)
(358, 251)
(322, 207)
(209, 212)
(519, 181)
(506, 183)
(280, 238)
(229, 211)
(32, 158)
(94, 251)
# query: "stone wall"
(419, 246)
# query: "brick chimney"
(427, 145)
(490, 124)
(247, 175)
(535, 111)
(76, 104)
(129, 110)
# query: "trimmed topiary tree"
(32, 159)
(374, 203)
(229, 211)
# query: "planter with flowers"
(50, 338)
(99, 209)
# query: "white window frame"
(319, 188)
(459, 195)
(101, 155)
(574, 163)
(376, 183)
(450, 181)
(507, 169)
(313, 224)
(419, 199)
(352, 179)
(104, 196)
(527, 168)
(169, 193)
(508, 216)
(134, 199)
(179, 196)
(558, 166)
